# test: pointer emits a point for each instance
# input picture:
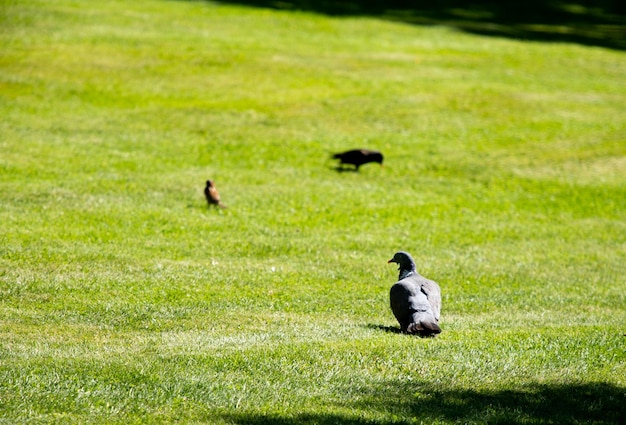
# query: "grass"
(123, 299)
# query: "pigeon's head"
(404, 261)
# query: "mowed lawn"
(124, 299)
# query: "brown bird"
(415, 300)
(358, 157)
(212, 195)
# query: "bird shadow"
(341, 169)
(387, 329)
(394, 330)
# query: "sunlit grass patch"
(124, 298)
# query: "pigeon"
(212, 195)
(414, 300)
(358, 157)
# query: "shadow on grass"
(395, 330)
(341, 169)
(388, 329)
(596, 403)
(588, 22)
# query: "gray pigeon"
(415, 300)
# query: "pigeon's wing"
(401, 298)
(412, 307)
(433, 293)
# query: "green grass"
(123, 299)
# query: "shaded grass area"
(421, 402)
(594, 23)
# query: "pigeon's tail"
(424, 328)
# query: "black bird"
(358, 157)
(212, 195)
(414, 300)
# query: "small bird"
(358, 157)
(415, 301)
(212, 195)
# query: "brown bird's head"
(209, 183)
